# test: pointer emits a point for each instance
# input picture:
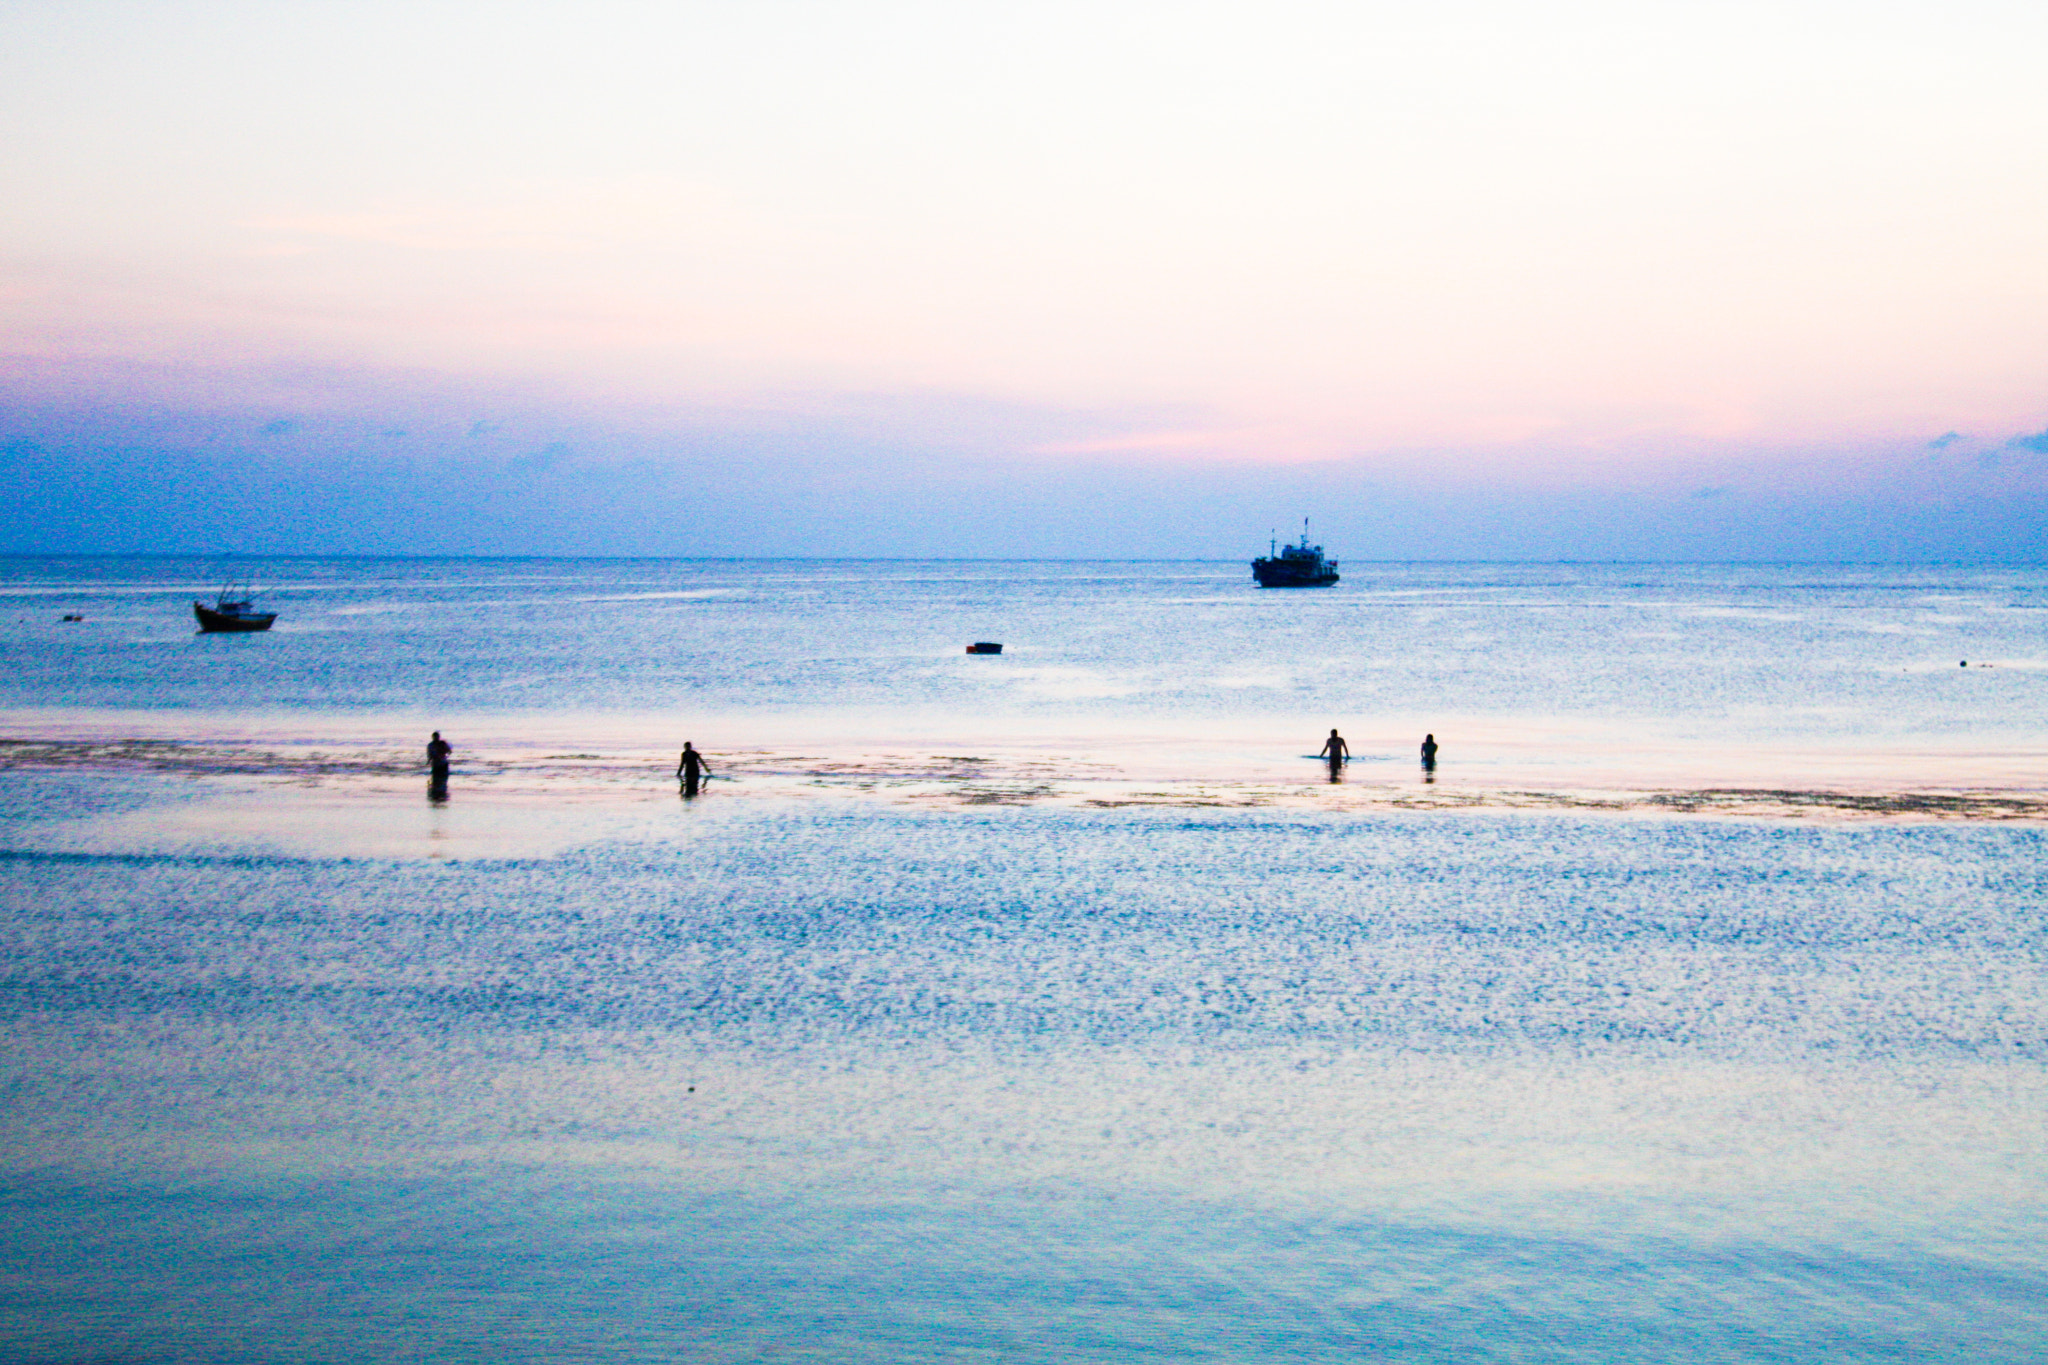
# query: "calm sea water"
(765, 1078)
(1759, 649)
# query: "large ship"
(1295, 566)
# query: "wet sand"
(507, 772)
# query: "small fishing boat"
(233, 610)
(984, 647)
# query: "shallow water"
(1102, 1038)
(784, 1080)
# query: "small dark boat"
(232, 612)
(1295, 566)
(984, 647)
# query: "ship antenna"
(1273, 545)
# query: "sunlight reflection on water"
(1045, 1083)
(1030, 1007)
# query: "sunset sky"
(1478, 279)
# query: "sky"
(1476, 279)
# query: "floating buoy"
(984, 647)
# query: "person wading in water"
(438, 750)
(1336, 751)
(691, 769)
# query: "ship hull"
(1277, 574)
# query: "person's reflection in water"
(1336, 751)
(691, 769)
(1429, 758)
(438, 751)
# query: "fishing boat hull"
(212, 621)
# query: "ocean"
(1050, 1006)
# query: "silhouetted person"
(691, 769)
(1336, 751)
(1429, 753)
(438, 750)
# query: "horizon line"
(986, 559)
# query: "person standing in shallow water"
(691, 769)
(1336, 751)
(438, 750)
(1429, 753)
